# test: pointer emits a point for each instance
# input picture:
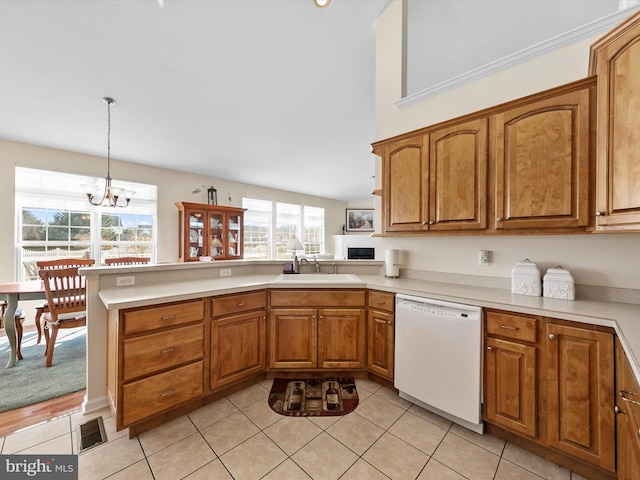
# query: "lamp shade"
(294, 244)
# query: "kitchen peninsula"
(195, 285)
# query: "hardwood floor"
(30, 415)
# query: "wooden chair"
(65, 291)
(19, 319)
(59, 263)
(127, 261)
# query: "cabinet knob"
(321, 317)
(490, 349)
(617, 410)
(430, 222)
(499, 219)
(552, 336)
(599, 214)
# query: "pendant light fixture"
(321, 3)
(111, 196)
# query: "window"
(313, 230)
(257, 228)
(288, 224)
(262, 240)
(56, 221)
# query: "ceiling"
(275, 93)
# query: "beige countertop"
(623, 317)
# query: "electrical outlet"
(125, 281)
(225, 272)
(485, 257)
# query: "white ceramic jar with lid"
(526, 279)
(558, 283)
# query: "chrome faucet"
(302, 260)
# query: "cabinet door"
(234, 236)
(458, 177)
(380, 343)
(627, 419)
(341, 338)
(510, 371)
(293, 338)
(616, 62)
(237, 347)
(542, 163)
(580, 393)
(216, 235)
(196, 234)
(405, 193)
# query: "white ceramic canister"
(558, 283)
(526, 279)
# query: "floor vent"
(91, 434)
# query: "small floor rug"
(313, 397)
(29, 382)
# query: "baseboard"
(94, 404)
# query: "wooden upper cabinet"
(615, 60)
(405, 194)
(438, 181)
(543, 161)
(458, 177)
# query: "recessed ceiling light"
(321, 3)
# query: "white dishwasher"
(438, 357)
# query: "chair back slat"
(65, 290)
(65, 263)
(127, 261)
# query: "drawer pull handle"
(241, 304)
(168, 350)
(166, 394)
(168, 317)
(509, 327)
(383, 321)
(623, 394)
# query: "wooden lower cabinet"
(627, 418)
(511, 384)
(550, 383)
(293, 338)
(155, 359)
(580, 393)
(380, 333)
(238, 337)
(321, 329)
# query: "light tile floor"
(240, 437)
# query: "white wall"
(609, 260)
(173, 186)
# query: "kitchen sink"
(318, 278)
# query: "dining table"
(14, 293)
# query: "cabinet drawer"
(161, 392)
(163, 316)
(238, 303)
(511, 326)
(382, 301)
(317, 298)
(159, 351)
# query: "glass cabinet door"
(196, 231)
(216, 233)
(234, 245)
